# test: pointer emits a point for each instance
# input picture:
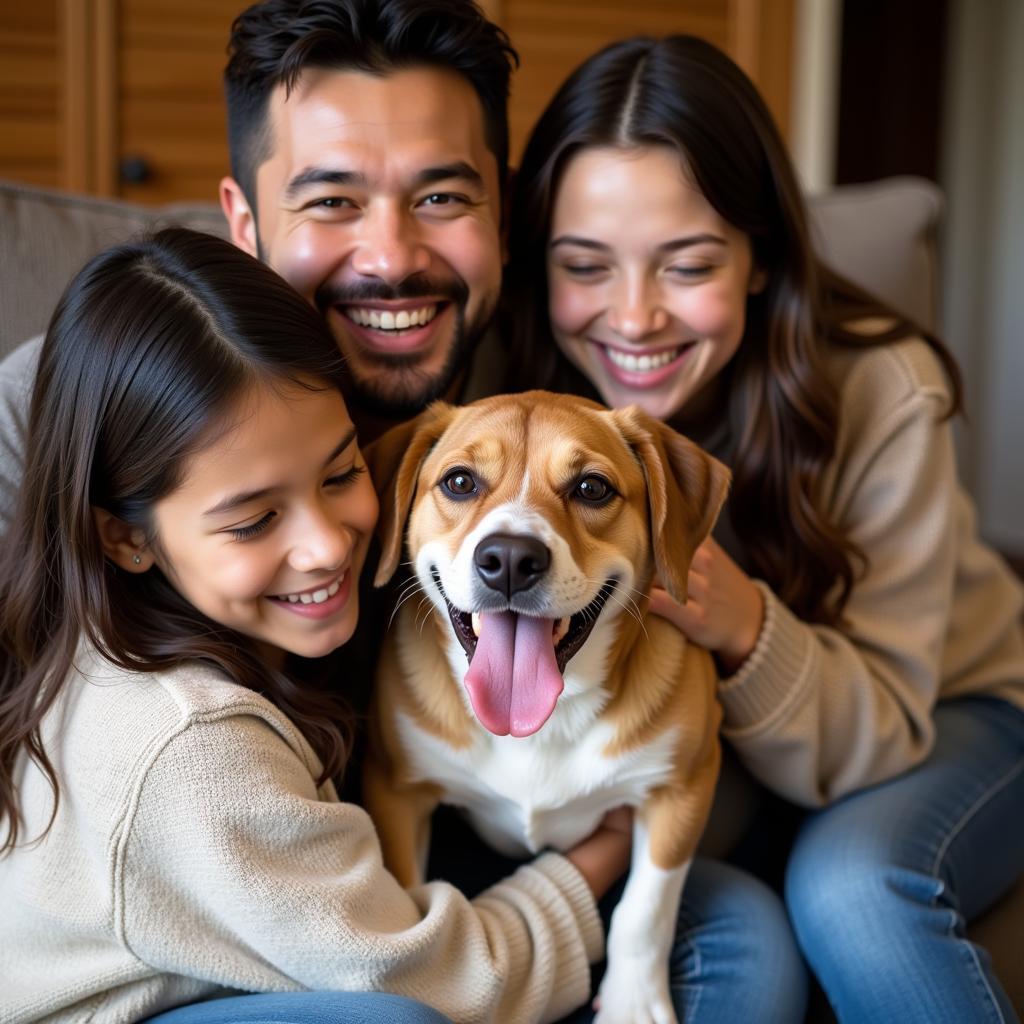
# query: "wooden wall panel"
(30, 100)
(170, 105)
(554, 36)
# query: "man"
(369, 146)
(369, 149)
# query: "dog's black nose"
(510, 563)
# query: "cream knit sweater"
(816, 712)
(192, 854)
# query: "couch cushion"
(883, 236)
(46, 237)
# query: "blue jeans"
(304, 1008)
(880, 885)
(734, 960)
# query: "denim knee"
(735, 957)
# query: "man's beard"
(403, 388)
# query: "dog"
(534, 690)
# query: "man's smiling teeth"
(316, 597)
(644, 363)
(386, 320)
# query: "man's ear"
(394, 462)
(240, 217)
(124, 545)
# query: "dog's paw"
(634, 994)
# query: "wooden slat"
(77, 94)
(30, 100)
(761, 42)
(105, 122)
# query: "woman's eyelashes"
(595, 271)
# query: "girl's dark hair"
(150, 344)
(684, 93)
(273, 42)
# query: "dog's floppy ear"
(685, 490)
(394, 460)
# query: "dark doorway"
(893, 56)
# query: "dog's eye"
(459, 484)
(594, 489)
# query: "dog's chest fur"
(547, 790)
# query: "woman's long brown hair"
(150, 344)
(684, 93)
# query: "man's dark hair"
(273, 42)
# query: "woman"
(870, 645)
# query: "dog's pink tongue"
(513, 679)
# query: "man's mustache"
(452, 290)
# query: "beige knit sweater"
(816, 712)
(192, 853)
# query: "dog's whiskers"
(426, 617)
(408, 591)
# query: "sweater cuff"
(774, 674)
(581, 901)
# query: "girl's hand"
(724, 609)
(603, 857)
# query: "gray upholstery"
(881, 235)
(46, 236)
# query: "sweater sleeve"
(816, 712)
(234, 869)
(17, 377)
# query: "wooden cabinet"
(115, 97)
(124, 98)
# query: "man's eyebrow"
(233, 501)
(321, 176)
(669, 246)
(444, 172)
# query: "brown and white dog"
(536, 524)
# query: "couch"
(882, 235)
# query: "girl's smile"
(648, 285)
(319, 602)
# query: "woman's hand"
(603, 857)
(724, 609)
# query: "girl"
(185, 559)
(870, 646)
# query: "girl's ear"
(124, 545)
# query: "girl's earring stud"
(137, 559)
